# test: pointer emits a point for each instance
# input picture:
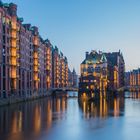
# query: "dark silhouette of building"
(73, 78)
(116, 70)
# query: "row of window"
(91, 69)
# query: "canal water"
(68, 119)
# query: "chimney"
(27, 26)
(13, 9)
(35, 30)
(86, 55)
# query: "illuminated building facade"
(48, 64)
(132, 78)
(62, 70)
(35, 59)
(102, 71)
(65, 72)
(29, 65)
(25, 60)
(93, 74)
(55, 68)
(9, 46)
(42, 66)
(59, 69)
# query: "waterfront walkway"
(16, 99)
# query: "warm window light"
(13, 61)
(35, 68)
(36, 77)
(13, 73)
(13, 51)
(36, 62)
(14, 24)
(35, 55)
(36, 40)
(13, 33)
(13, 43)
(92, 95)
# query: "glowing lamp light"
(84, 95)
(92, 94)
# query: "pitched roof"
(94, 57)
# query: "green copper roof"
(21, 19)
(4, 4)
(94, 58)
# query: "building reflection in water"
(48, 115)
(16, 124)
(37, 119)
(30, 117)
(102, 108)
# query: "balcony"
(36, 63)
(36, 77)
(13, 61)
(36, 55)
(13, 34)
(35, 41)
(13, 52)
(47, 67)
(13, 73)
(36, 69)
(14, 24)
(13, 43)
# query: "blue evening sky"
(77, 26)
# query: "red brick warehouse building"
(29, 65)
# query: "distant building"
(70, 78)
(73, 78)
(48, 64)
(132, 78)
(116, 70)
(59, 69)
(63, 71)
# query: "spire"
(74, 70)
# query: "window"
(97, 69)
(4, 83)
(3, 19)
(90, 69)
(4, 40)
(4, 69)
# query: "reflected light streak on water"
(68, 119)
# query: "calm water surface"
(67, 119)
